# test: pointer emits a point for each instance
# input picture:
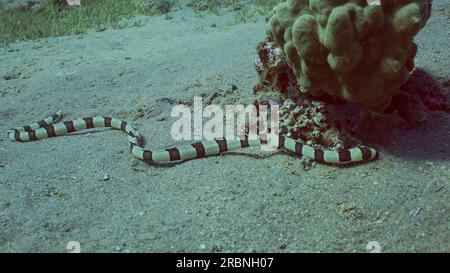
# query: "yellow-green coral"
(348, 48)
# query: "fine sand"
(52, 191)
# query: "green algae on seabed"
(52, 20)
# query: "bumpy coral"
(409, 107)
(359, 52)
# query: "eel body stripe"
(366, 153)
(244, 143)
(319, 156)
(32, 136)
(281, 142)
(50, 131)
(107, 121)
(188, 152)
(345, 156)
(222, 145)
(17, 135)
(123, 125)
(45, 129)
(147, 156)
(79, 125)
(69, 126)
(55, 117)
(200, 149)
(89, 122)
(298, 148)
(332, 157)
(211, 148)
(42, 123)
(174, 154)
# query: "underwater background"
(136, 60)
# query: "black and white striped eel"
(46, 128)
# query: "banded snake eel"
(47, 128)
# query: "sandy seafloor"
(52, 191)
